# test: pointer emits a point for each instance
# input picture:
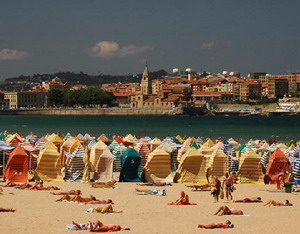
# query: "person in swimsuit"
(103, 209)
(215, 188)
(227, 184)
(249, 200)
(183, 200)
(158, 192)
(155, 184)
(224, 210)
(275, 203)
(279, 178)
(109, 183)
(227, 224)
(7, 210)
(71, 192)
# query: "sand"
(37, 211)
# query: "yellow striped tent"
(250, 168)
(158, 167)
(96, 151)
(209, 143)
(155, 142)
(104, 167)
(56, 139)
(48, 164)
(192, 168)
(217, 164)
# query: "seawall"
(94, 111)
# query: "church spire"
(146, 84)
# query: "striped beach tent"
(104, 167)
(49, 163)
(69, 146)
(131, 162)
(217, 164)
(67, 136)
(16, 169)
(296, 171)
(144, 153)
(155, 142)
(192, 168)
(179, 139)
(117, 152)
(14, 140)
(209, 143)
(158, 167)
(278, 162)
(75, 167)
(96, 151)
(56, 140)
(40, 143)
(250, 169)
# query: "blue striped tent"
(75, 167)
(296, 171)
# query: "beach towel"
(174, 204)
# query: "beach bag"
(233, 188)
(222, 194)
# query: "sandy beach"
(37, 211)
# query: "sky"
(119, 36)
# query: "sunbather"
(71, 192)
(109, 201)
(39, 185)
(249, 200)
(183, 200)
(109, 183)
(103, 210)
(20, 186)
(155, 184)
(99, 227)
(227, 224)
(158, 192)
(275, 203)
(7, 210)
(224, 210)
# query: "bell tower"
(145, 83)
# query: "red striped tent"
(16, 169)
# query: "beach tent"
(209, 143)
(117, 153)
(2, 136)
(217, 164)
(14, 140)
(233, 143)
(296, 171)
(75, 167)
(250, 169)
(49, 165)
(218, 145)
(130, 171)
(158, 167)
(69, 146)
(56, 140)
(278, 162)
(104, 167)
(155, 142)
(16, 169)
(144, 153)
(88, 137)
(67, 136)
(40, 143)
(192, 168)
(96, 151)
(179, 139)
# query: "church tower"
(146, 83)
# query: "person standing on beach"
(215, 188)
(227, 185)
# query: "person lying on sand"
(71, 192)
(275, 203)
(158, 192)
(99, 227)
(224, 210)
(155, 184)
(6, 210)
(109, 183)
(102, 210)
(39, 186)
(227, 224)
(19, 186)
(249, 200)
(77, 198)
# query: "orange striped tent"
(158, 167)
(16, 169)
(278, 162)
(144, 153)
(14, 140)
(49, 163)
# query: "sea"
(283, 128)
